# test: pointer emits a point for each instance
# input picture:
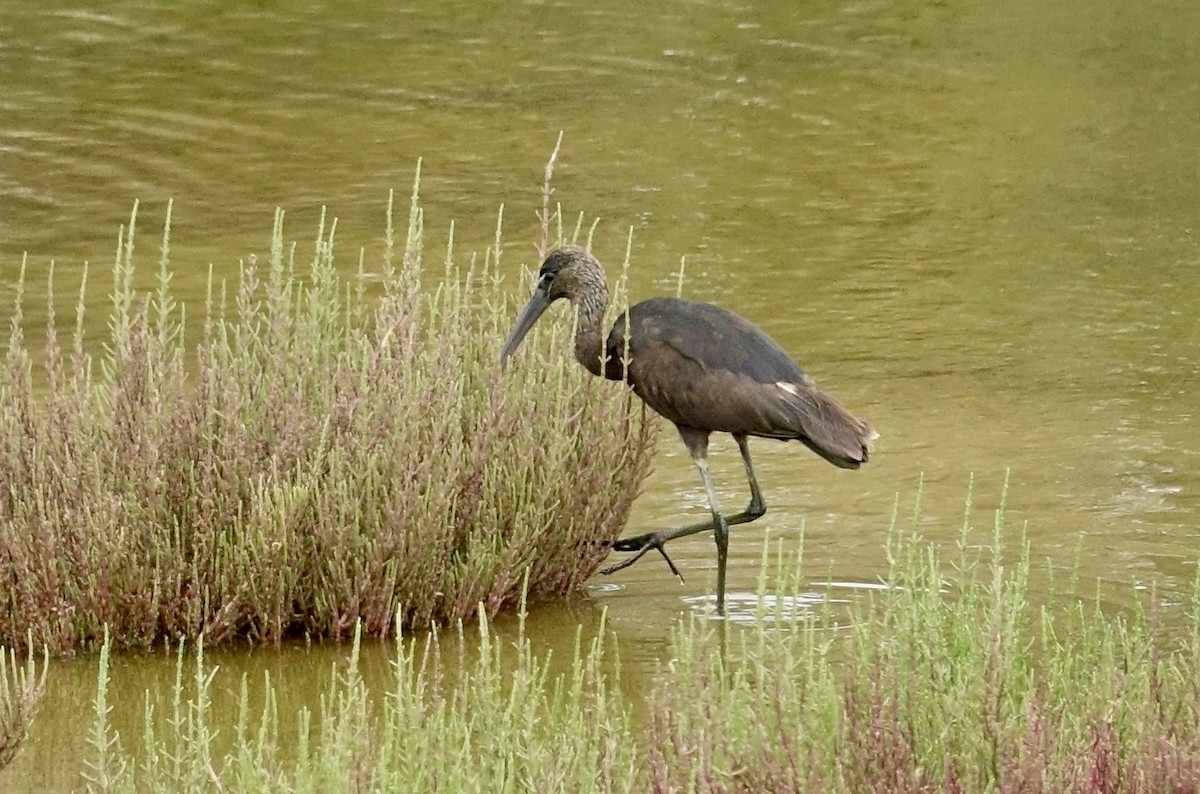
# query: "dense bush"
(334, 450)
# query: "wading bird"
(707, 370)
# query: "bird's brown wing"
(704, 367)
(712, 336)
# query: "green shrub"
(491, 718)
(21, 689)
(947, 681)
(335, 451)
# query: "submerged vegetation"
(332, 451)
(949, 680)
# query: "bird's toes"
(638, 543)
(641, 544)
(618, 566)
(670, 562)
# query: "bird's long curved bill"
(537, 304)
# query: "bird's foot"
(641, 544)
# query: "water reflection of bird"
(707, 370)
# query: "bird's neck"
(589, 330)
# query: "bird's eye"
(545, 279)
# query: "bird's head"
(568, 272)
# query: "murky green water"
(977, 224)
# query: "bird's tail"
(830, 430)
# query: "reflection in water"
(969, 222)
(750, 608)
(746, 607)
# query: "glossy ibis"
(707, 370)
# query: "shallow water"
(976, 225)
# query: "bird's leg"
(758, 505)
(655, 540)
(720, 531)
(697, 444)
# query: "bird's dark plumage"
(704, 368)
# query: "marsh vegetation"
(947, 680)
(333, 451)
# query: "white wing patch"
(790, 388)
